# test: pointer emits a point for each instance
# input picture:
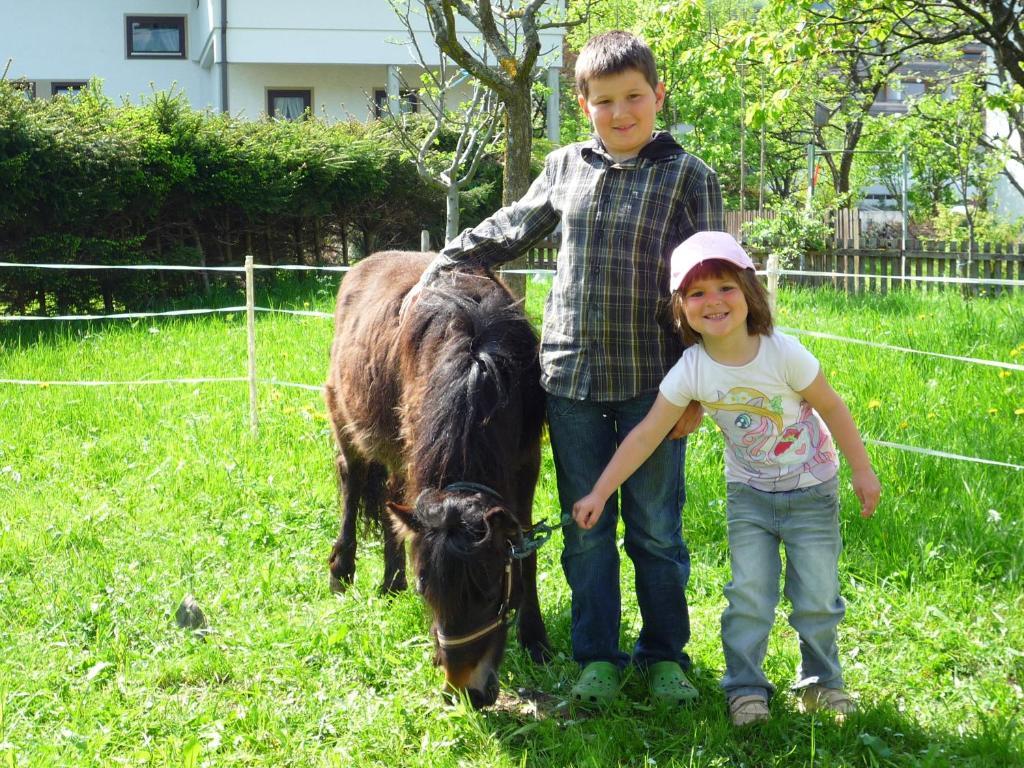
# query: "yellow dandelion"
(1018, 411)
(922, 316)
(931, 415)
(875, 404)
(993, 411)
(44, 385)
(904, 425)
(288, 409)
(1014, 352)
(1004, 374)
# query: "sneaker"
(746, 710)
(817, 697)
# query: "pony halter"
(533, 539)
(449, 641)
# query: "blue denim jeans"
(584, 435)
(806, 522)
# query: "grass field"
(116, 502)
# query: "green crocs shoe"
(597, 686)
(669, 684)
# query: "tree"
(958, 126)
(922, 24)
(510, 31)
(452, 164)
(721, 88)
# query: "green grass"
(116, 502)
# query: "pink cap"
(705, 246)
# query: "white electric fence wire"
(174, 267)
(862, 277)
(942, 454)
(44, 383)
(126, 382)
(132, 267)
(544, 272)
(907, 350)
(122, 315)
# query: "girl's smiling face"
(716, 308)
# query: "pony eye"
(421, 584)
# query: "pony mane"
(479, 346)
(449, 549)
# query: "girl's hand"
(587, 511)
(868, 489)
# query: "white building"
(246, 57)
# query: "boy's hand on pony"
(868, 489)
(587, 511)
(689, 421)
(409, 300)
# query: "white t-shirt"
(774, 440)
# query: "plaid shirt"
(607, 329)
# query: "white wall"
(334, 32)
(1007, 201)
(338, 48)
(63, 40)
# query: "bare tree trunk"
(204, 276)
(519, 136)
(451, 228)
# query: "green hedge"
(87, 181)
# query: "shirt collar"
(660, 147)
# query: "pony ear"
(501, 522)
(403, 520)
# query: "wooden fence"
(878, 266)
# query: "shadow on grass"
(539, 728)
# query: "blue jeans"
(806, 522)
(584, 435)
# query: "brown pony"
(440, 415)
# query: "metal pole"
(250, 322)
(903, 203)
(810, 174)
(905, 216)
(743, 142)
(424, 240)
(760, 176)
(773, 279)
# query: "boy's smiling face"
(621, 108)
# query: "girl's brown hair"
(759, 312)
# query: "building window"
(27, 87)
(408, 102)
(913, 88)
(289, 103)
(66, 87)
(155, 37)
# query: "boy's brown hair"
(611, 53)
(759, 311)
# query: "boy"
(625, 200)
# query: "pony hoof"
(394, 588)
(338, 586)
(540, 653)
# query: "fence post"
(773, 279)
(424, 240)
(250, 322)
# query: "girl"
(779, 417)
